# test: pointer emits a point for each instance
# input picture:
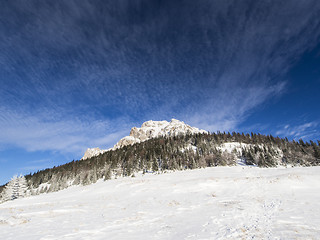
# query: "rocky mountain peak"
(148, 130)
(92, 152)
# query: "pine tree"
(248, 156)
(155, 166)
(107, 172)
(316, 150)
(15, 189)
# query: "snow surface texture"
(212, 203)
(148, 130)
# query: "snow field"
(212, 203)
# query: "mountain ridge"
(149, 129)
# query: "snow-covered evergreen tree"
(15, 189)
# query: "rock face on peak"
(153, 129)
(92, 152)
(148, 130)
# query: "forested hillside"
(176, 153)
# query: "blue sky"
(78, 74)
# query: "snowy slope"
(238, 147)
(148, 130)
(212, 203)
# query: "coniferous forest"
(175, 153)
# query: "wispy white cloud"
(304, 131)
(72, 135)
(231, 107)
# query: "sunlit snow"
(213, 203)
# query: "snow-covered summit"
(148, 130)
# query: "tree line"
(175, 153)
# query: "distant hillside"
(179, 152)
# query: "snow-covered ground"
(213, 203)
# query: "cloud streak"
(304, 131)
(37, 133)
